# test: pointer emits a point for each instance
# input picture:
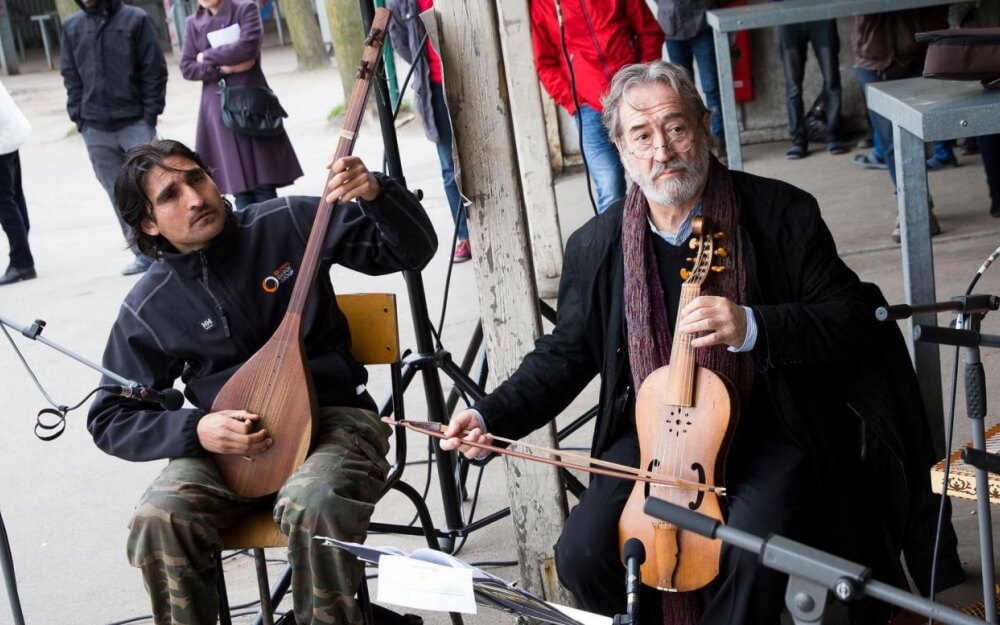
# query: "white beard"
(679, 189)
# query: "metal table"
(922, 109)
(768, 14)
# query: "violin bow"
(593, 465)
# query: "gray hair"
(673, 76)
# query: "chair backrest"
(374, 327)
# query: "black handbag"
(251, 111)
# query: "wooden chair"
(374, 341)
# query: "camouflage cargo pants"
(175, 528)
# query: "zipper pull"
(225, 320)
(219, 310)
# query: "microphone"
(169, 399)
(635, 554)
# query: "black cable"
(418, 57)
(576, 102)
(58, 411)
(947, 471)
(472, 509)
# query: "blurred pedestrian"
(689, 40)
(14, 131)
(599, 37)
(248, 167)
(410, 41)
(794, 41)
(116, 86)
(885, 48)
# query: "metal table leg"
(42, 19)
(727, 99)
(918, 270)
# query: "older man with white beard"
(779, 323)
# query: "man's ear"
(620, 147)
(706, 127)
(148, 226)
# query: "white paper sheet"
(587, 618)
(223, 36)
(425, 585)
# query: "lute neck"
(314, 246)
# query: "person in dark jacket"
(218, 290)
(885, 48)
(408, 34)
(601, 37)
(249, 168)
(116, 86)
(782, 322)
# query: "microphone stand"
(34, 332)
(971, 310)
(812, 574)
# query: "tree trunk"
(304, 32)
(66, 8)
(348, 33)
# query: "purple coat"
(240, 163)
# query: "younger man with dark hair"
(215, 295)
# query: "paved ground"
(66, 504)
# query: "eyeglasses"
(641, 144)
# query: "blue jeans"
(14, 211)
(602, 160)
(794, 41)
(256, 196)
(701, 49)
(443, 122)
(107, 148)
(882, 127)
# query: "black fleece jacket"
(199, 316)
(112, 67)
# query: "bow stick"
(611, 469)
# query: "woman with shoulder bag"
(222, 44)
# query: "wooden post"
(483, 128)
(532, 144)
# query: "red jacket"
(602, 36)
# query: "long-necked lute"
(275, 383)
(684, 416)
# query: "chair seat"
(255, 531)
